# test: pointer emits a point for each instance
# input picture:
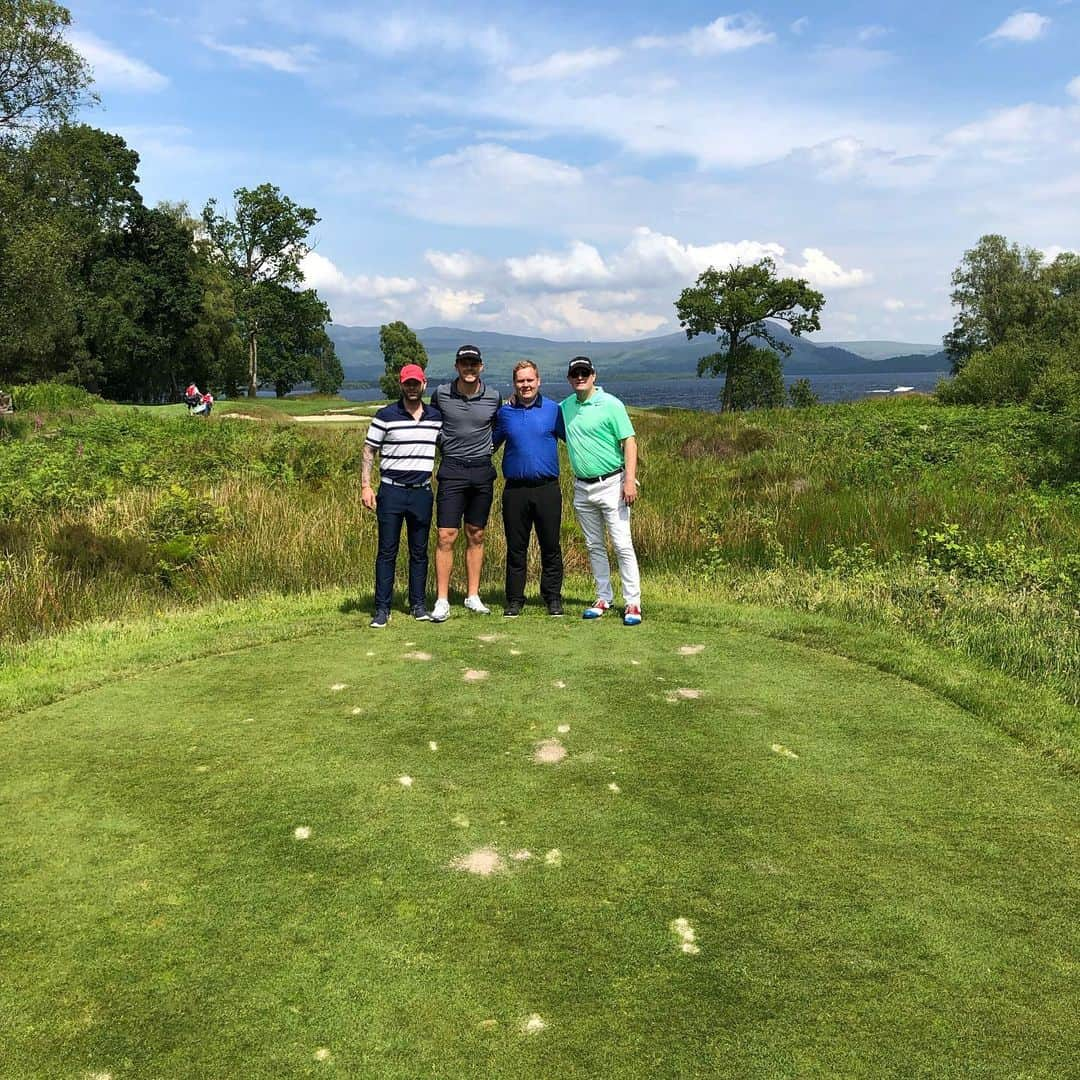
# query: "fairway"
(753, 860)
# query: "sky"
(565, 170)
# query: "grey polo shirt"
(467, 421)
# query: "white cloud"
(799, 26)
(322, 274)
(729, 33)
(293, 61)
(564, 65)
(114, 70)
(1010, 134)
(894, 305)
(487, 163)
(1021, 26)
(455, 265)
(582, 266)
(453, 304)
(1073, 88)
(825, 273)
(399, 34)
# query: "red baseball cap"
(412, 371)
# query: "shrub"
(52, 397)
(801, 394)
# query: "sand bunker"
(783, 751)
(417, 656)
(482, 861)
(691, 650)
(473, 675)
(549, 752)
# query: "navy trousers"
(395, 506)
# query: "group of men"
(466, 422)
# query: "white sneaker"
(441, 611)
(476, 605)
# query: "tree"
(262, 244)
(400, 346)
(296, 346)
(801, 394)
(1000, 291)
(734, 304)
(43, 80)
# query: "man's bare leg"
(474, 557)
(444, 562)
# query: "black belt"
(398, 483)
(597, 479)
(468, 462)
(536, 481)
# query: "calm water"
(693, 393)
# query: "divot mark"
(357, 711)
(691, 650)
(322, 1054)
(549, 752)
(614, 788)
(682, 929)
(409, 644)
(521, 856)
(636, 663)
(684, 693)
(339, 686)
(562, 729)
(249, 720)
(474, 675)
(559, 684)
(490, 638)
(405, 781)
(482, 861)
(488, 1025)
(302, 832)
(515, 652)
(533, 1025)
(417, 656)
(460, 820)
(370, 654)
(433, 746)
(783, 751)
(553, 858)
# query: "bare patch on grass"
(302, 832)
(322, 1054)
(417, 656)
(202, 768)
(766, 866)
(482, 861)
(533, 1025)
(691, 650)
(614, 788)
(553, 858)
(559, 684)
(686, 935)
(515, 652)
(549, 752)
(405, 781)
(433, 746)
(489, 639)
(339, 686)
(357, 711)
(521, 856)
(460, 820)
(488, 1025)
(684, 693)
(784, 751)
(563, 729)
(475, 675)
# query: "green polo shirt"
(595, 430)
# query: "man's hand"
(629, 492)
(367, 496)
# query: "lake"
(689, 392)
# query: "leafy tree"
(801, 394)
(43, 80)
(262, 244)
(400, 346)
(999, 291)
(734, 304)
(296, 347)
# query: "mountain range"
(670, 354)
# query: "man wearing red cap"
(404, 436)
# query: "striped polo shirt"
(406, 447)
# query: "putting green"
(873, 882)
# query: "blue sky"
(550, 170)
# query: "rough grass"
(894, 900)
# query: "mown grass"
(893, 901)
(960, 524)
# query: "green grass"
(895, 901)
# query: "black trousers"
(526, 506)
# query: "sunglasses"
(580, 374)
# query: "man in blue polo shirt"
(530, 426)
(404, 436)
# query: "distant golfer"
(192, 396)
(530, 426)
(603, 454)
(404, 436)
(466, 477)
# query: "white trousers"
(598, 507)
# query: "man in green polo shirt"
(603, 454)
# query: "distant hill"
(358, 349)
(883, 350)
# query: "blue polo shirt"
(530, 434)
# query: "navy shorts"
(465, 492)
